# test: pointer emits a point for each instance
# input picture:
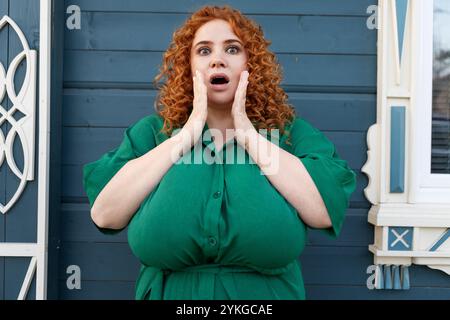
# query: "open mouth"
(219, 79)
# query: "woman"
(220, 229)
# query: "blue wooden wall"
(329, 60)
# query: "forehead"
(215, 29)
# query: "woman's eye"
(202, 50)
(234, 49)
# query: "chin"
(220, 104)
(221, 101)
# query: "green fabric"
(221, 230)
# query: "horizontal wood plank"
(288, 34)
(286, 7)
(98, 290)
(99, 261)
(125, 69)
(332, 292)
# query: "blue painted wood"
(349, 268)
(397, 174)
(77, 226)
(54, 234)
(397, 285)
(15, 271)
(99, 261)
(400, 238)
(108, 31)
(387, 277)
(285, 7)
(4, 9)
(379, 277)
(401, 7)
(405, 278)
(355, 232)
(316, 73)
(343, 292)
(441, 240)
(98, 290)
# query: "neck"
(220, 119)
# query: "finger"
(243, 82)
(194, 79)
(242, 88)
(202, 83)
(202, 86)
(243, 92)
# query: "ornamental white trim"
(25, 102)
(411, 213)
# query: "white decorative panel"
(24, 101)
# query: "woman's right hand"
(192, 130)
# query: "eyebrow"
(226, 41)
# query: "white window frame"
(428, 187)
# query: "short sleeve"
(137, 140)
(331, 175)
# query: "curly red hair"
(266, 103)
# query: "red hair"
(266, 103)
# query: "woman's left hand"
(242, 124)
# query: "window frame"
(427, 187)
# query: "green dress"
(219, 230)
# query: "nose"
(217, 62)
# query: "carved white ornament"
(25, 102)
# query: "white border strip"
(44, 146)
(18, 249)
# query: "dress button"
(217, 194)
(212, 241)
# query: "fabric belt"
(151, 279)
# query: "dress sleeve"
(331, 175)
(138, 139)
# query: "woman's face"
(217, 51)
